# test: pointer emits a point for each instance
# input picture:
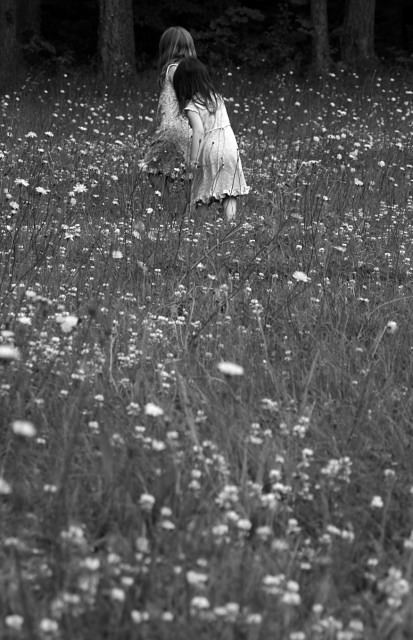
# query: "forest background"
(120, 37)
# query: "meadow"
(205, 429)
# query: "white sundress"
(219, 172)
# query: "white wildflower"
(300, 276)
(230, 369)
(23, 428)
(152, 409)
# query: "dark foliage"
(252, 33)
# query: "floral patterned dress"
(169, 148)
(219, 172)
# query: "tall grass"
(206, 429)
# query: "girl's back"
(220, 172)
(211, 120)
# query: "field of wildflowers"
(205, 430)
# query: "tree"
(357, 48)
(27, 19)
(9, 51)
(116, 39)
(321, 59)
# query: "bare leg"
(230, 208)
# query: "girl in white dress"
(168, 152)
(214, 156)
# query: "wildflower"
(118, 595)
(391, 327)
(31, 134)
(67, 323)
(220, 530)
(273, 584)
(200, 602)
(133, 409)
(23, 428)
(300, 276)
(91, 564)
(42, 191)
(146, 501)
(8, 353)
(269, 405)
(377, 502)
(291, 595)
(196, 578)
(14, 621)
(395, 587)
(5, 488)
(264, 532)
(117, 255)
(48, 626)
(253, 618)
(151, 409)
(142, 544)
(230, 369)
(49, 488)
(358, 182)
(79, 188)
(21, 182)
(167, 616)
(139, 616)
(244, 524)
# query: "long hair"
(192, 82)
(175, 44)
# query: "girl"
(214, 157)
(168, 151)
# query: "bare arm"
(197, 134)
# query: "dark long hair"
(192, 82)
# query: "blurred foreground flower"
(5, 488)
(67, 323)
(8, 352)
(200, 602)
(146, 501)
(152, 409)
(14, 621)
(23, 428)
(230, 369)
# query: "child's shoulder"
(170, 70)
(193, 105)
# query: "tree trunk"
(28, 20)
(357, 49)
(321, 59)
(116, 39)
(9, 51)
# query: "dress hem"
(219, 197)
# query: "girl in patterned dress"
(214, 156)
(168, 151)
